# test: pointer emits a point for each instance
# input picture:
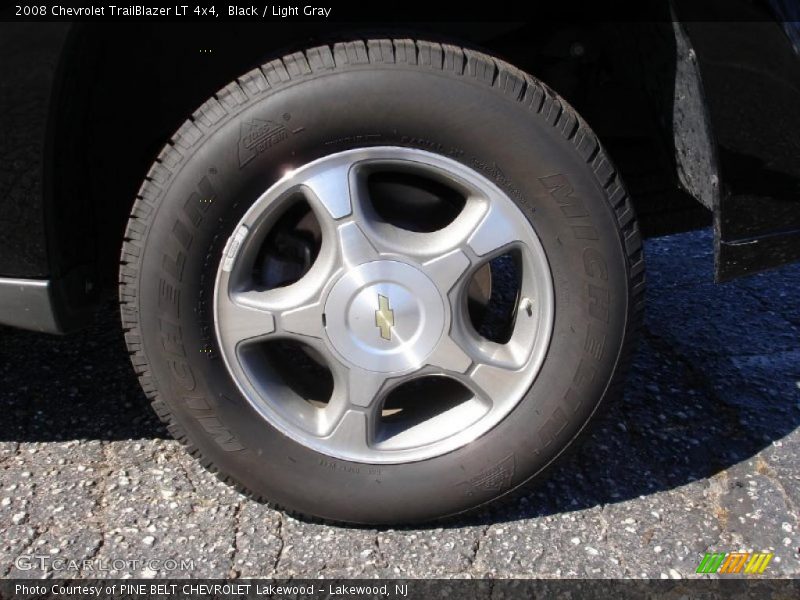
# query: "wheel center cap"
(384, 316)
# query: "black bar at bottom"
(399, 589)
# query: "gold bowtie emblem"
(384, 317)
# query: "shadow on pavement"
(715, 380)
(79, 386)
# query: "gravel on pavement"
(701, 454)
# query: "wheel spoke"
(449, 356)
(363, 387)
(352, 431)
(253, 316)
(304, 320)
(354, 246)
(497, 227)
(331, 190)
(493, 383)
(354, 387)
(241, 321)
(355, 391)
(446, 270)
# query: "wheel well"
(126, 90)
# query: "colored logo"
(384, 317)
(735, 562)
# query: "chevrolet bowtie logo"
(384, 317)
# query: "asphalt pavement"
(702, 454)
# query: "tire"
(462, 108)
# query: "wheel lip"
(408, 158)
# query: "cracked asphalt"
(702, 454)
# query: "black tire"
(444, 99)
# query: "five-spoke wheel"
(381, 302)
